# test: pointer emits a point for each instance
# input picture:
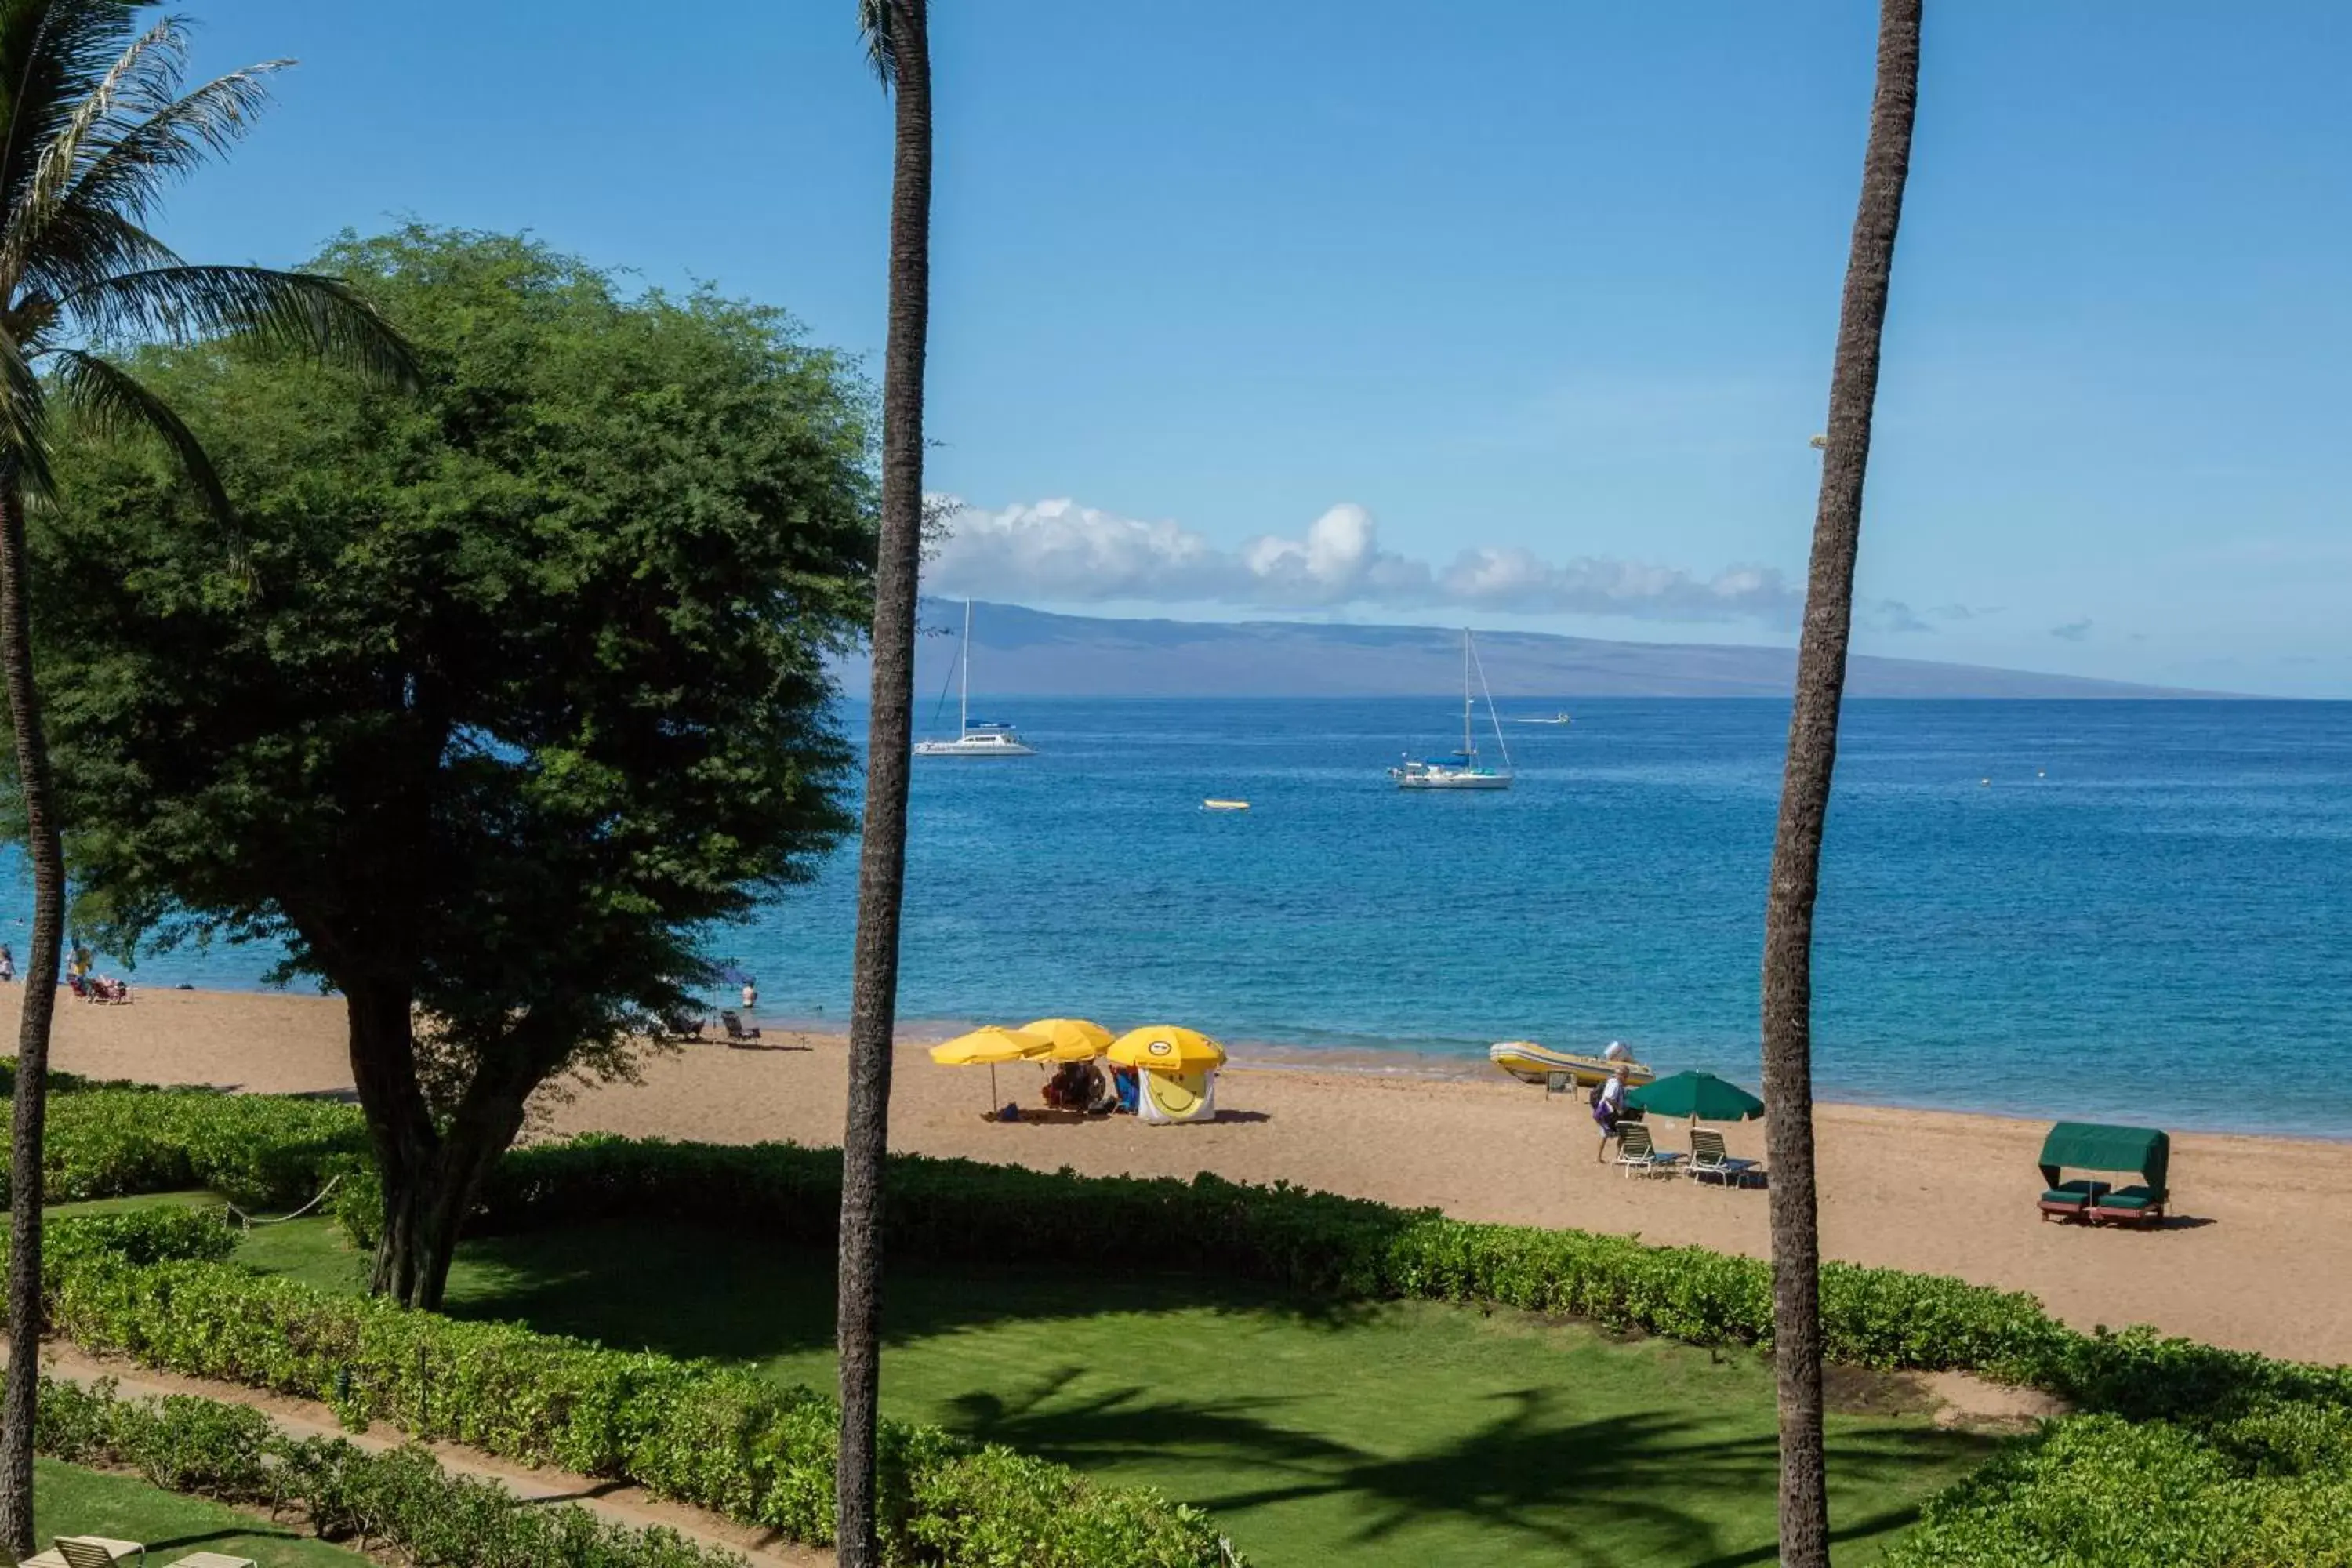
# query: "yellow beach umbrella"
(1075, 1039)
(1165, 1048)
(986, 1048)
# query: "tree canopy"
(496, 698)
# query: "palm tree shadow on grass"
(1648, 1488)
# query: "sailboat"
(1462, 770)
(974, 737)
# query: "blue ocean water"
(2102, 909)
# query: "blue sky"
(1552, 283)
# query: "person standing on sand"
(1608, 1104)
(7, 964)
(78, 966)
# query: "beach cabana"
(2142, 1152)
(1177, 1069)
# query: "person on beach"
(78, 964)
(1608, 1104)
(7, 964)
(750, 996)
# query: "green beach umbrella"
(1700, 1096)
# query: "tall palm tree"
(897, 42)
(96, 127)
(1805, 796)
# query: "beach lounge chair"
(2070, 1200)
(2135, 1204)
(1636, 1152)
(87, 1551)
(733, 1024)
(1709, 1158)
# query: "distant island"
(1023, 652)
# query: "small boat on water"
(1555, 719)
(1532, 1063)
(974, 737)
(1224, 806)
(1462, 769)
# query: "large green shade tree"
(516, 686)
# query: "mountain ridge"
(1022, 652)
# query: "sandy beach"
(2259, 1256)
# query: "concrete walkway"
(615, 1501)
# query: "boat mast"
(1469, 752)
(963, 690)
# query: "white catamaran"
(973, 739)
(1462, 770)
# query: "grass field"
(70, 1500)
(1383, 1436)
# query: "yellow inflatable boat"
(1532, 1063)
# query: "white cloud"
(2073, 631)
(1060, 550)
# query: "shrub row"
(402, 1500)
(1281, 1235)
(1324, 1244)
(722, 1437)
(2269, 1488)
(138, 1237)
(261, 1150)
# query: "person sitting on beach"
(1126, 1088)
(1073, 1087)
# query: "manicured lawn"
(1375, 1435)
(70, 1500)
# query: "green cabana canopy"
(2088, 1146)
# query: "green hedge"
(1282, 1234)
(261, 1150)
(722, 1437)
(2270, 1488)
(401, 1501)
(138, 1237)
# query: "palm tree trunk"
(882, 859)
(1805, 796)
(47, 859)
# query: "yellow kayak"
(1533, 1063)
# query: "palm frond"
(148, 69)
(53, 53)
(83, 243)
(118, 172)
(127, 169)
(304, 311)
(23, 417)
(115, 403)
(876, 22)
